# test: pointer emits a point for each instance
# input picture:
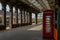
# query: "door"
(48, 23)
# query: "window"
(48, 28)
(7, 20)
(7, 14)
(22, 16)
(25, 17)
(19, 16)
(1, 15)
(33, 18)
(14, 16)
(28, 18)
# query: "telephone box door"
(48, 23)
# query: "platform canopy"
(33, 5)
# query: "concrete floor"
(32, 32)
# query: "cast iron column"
(24, 16)
(36, 17)
(27, 17)
(4, 14)
(21, 15)
(11, 16)
(30, 18)
(17, 16)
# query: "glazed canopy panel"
(21, 4)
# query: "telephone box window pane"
(47, 23)
(48, 29)
(47, 17)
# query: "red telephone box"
(48, 24)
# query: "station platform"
(31, 32)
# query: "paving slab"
(23, 33)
